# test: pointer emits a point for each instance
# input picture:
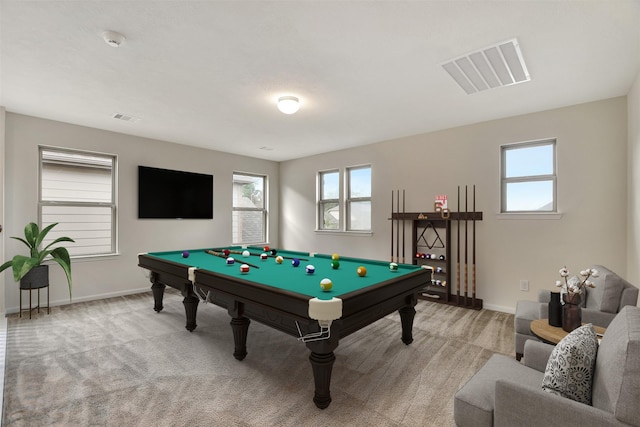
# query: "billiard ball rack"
(431, 246)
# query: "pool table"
(288, 298)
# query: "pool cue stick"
(392, 191)
(473, 245)
(252, 254)
(403, 225)
(221, 255)
(398, 228)
(466, 245)
(458, 250)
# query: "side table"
(554, 334)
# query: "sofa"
(602, 303)
(505, 392)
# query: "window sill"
(544, 216)
(97, 257)
(345, 233)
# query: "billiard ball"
(362, 271)
(393, 266)
(439, 270)
(295, 262)
(244, 269)
(226, 252)
(185, 254)
(279, 259)
(441, 258)
(326, 284)
(266, 249)
(335, 264)
(230, 261)
(273, 252)
(427, 256)
(335, 257)
(246, 254)
(418, 255)
(263, 256)
(310, 269)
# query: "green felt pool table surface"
(287, 277)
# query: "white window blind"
(77, 190)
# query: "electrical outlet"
(524, 285)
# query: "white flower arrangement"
(576, 285)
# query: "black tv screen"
(171, 194)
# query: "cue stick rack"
(453, 274)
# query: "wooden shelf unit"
(431, 234)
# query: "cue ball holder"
(431, 245)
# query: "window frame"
(322, 202)
(264, 209)
(113, 205)
(343, 202)
(349, 200)
(504, 180)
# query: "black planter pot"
(37, 278)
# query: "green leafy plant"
(33, 238)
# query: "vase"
(571, 312)
(555, 309)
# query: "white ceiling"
(207, 73)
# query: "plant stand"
(36, 279)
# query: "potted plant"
(25, 265)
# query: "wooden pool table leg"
(158, 293)
(406, 319)
(240, 327)
(322, 359)
(407, 313)
(190, 303)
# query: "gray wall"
(117, 275)
(598, 147)
(592, 196)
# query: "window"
(249, 221)
(528, 177)
(329, 203)
(359, 198)
(349, 210)
(78, 191)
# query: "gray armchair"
(602, 303)
(505, 392)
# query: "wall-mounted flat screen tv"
(171, 194)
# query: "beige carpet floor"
(116, 362)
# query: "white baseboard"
(11, 310)
(510, 310)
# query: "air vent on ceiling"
(125, 118)
(499, 65)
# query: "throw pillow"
(569, 371)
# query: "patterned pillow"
(569, 371)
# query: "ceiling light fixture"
(113, 38)
(288, 104)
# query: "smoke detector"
(113, 38)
